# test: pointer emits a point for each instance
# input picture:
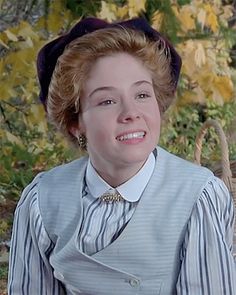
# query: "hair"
(76, 62)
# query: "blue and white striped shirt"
(103, 222)
(210, 227)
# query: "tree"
(201, 33)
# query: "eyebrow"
(142, 82)
(138, 83)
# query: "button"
(134, 282)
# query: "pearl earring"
(82, 141)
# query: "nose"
(129, 112)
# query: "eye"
(142, 95)
(106, 102)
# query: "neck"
(115, 176)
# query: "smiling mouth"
(140, 134)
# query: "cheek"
(158, 120)
(155, 116)
(99, 135)
(155, 124)
(81, 124)
(97, 139)
(96, 129)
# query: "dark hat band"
(49, 54)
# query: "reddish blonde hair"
(74, 65)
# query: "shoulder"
(58, 194)
(53, 180)
(215, 207)
(216, 196)
(62, 184)
(64, 172)
(181, 167)
(30, 192)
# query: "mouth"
(136, 135)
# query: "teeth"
(131, 135)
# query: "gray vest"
(145, 258)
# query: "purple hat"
(48, 55)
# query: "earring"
(82, 141)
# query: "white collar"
(131, 190)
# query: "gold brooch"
(111, 197)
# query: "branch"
(5, 118)
(15, 107)
(29, 9)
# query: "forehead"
(116, 70)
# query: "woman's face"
(119, 114)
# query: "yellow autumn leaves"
(111, 12)
(18, 82)
(201, 57)
(198, 12)
(205, 67)
(206, 74)
(205, 62)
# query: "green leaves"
(79, 8)
(203, 39)
(181, 126)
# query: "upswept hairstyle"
(76, 62)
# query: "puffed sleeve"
(29, 269)
(208, 266)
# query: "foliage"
(182, 124)
(3, 278)
(28, 143)
(3, 272)
(13, 11)
(79, 9)
(3, 227)
(202, 36)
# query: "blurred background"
(204, 34)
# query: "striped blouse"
(102, 221)
(210, 227)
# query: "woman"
(129, 218)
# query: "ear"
(77, 128)
(74, 130)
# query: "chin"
(136, 156)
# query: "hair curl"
(73, 67)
